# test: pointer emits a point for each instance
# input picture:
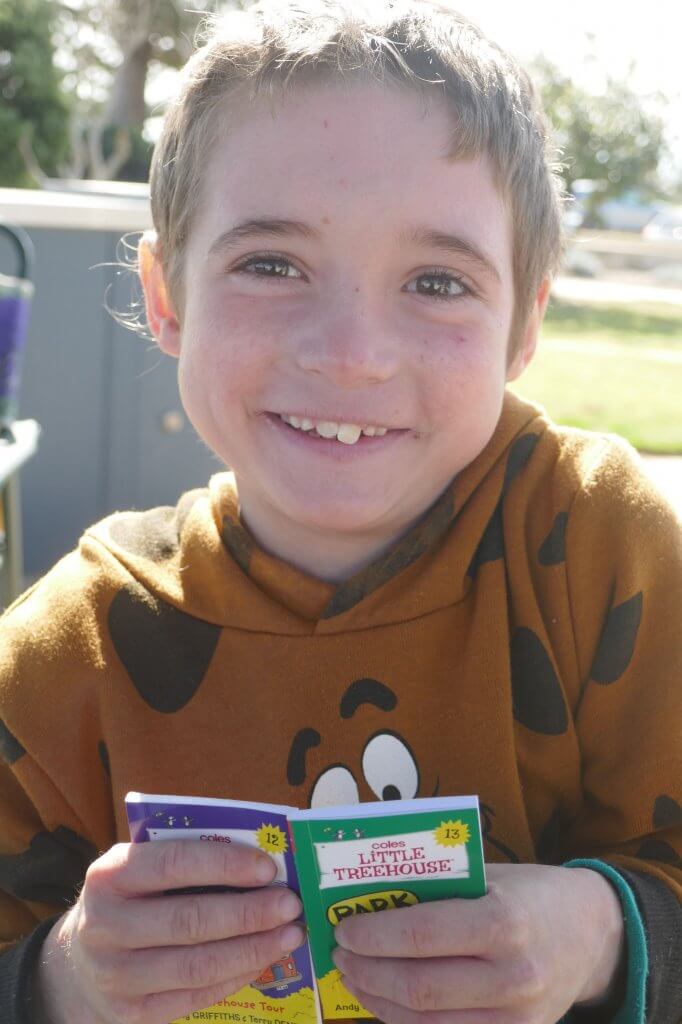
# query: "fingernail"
(292, 937)
(289, 906)
(265, 869)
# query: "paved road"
(583, 289)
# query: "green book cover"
(367, 858)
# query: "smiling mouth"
(346, 433)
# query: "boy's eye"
(435, 284)
(439, 284)
(268, 266)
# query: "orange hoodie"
(522, 642)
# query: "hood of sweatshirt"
(198, 557)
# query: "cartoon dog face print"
(386, 763)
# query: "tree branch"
(25, 147)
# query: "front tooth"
(295, 421)
(307, 424)
(369, 431)
(380, 431)
(328, 429)
(349, 433)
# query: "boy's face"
(337, 315)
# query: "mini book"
(363, 858)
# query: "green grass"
(612, 368)
(644, 323)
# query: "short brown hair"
(276, 44)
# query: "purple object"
(14, 308)
(15, 301)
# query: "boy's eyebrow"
(428, 238)
(457, 245)
(261, 226)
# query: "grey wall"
(99, 392)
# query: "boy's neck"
(329, 557)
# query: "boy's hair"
(425, 45)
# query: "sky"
(650, 36)
(559, 29)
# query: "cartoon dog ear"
(390, 767)
(335, 785)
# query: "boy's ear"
(160, 314)
(526, 349)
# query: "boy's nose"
(350, 350)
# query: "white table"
(13, 455)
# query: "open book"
(363, 858)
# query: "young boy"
(412, 583)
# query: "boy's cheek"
(213, 371)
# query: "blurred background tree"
(32, 103)
(617, 139)
(105, 52)
(73, 77)
(108, 50)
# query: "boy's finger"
(444, 983)
(139, 869)
(207, 965)
(454, 927)
(189, 920)
(180, 1003)
(385, 1010)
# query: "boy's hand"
(128, 953)
(542, 939)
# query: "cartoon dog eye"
(390, 768)
(335, 785)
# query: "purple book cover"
(284, 991)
